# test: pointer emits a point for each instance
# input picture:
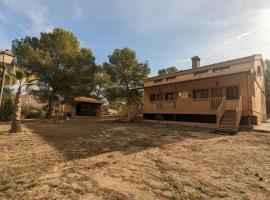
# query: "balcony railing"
(204, 104)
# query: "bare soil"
(83, 159)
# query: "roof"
(202, 78)
(7, 52)
(88, 100)
(211, 66)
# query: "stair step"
(230, 111)
(229, 115)
(227, 121)
(226, 130)
(228, 118)
(227, 127)
(226, 124)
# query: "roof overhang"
(87, 100)
(207, 67)
(198, 79)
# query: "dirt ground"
(85, 159)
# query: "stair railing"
(238, 109)
(220, 111)
(133, 111)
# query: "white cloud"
(248, 33)
(78, 11)
(229, 33)
(34, 11)
(2, 18)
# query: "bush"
(6, 110)
(31, 114)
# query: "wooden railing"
(221, 110)
(238, 109)
(203, 104)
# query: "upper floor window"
(199, 94)
(232, 93)
(170, 78)
(220, 69)
(259, 72)
(158, 80)
(200, 73)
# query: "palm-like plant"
(23, 80)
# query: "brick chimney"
(195, 62)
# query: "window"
(199, 94)
(232, 93)
(159, 97)
(259, 72)
(220, 69)
(152, 97)
(169, 96)
(158, 80)
(170, 78)
(200, 73)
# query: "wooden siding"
(250, 87)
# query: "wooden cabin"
(226, 94)
(84, 106)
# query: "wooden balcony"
(195, 106)
(184, 106)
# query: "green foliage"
(6, 110)
(63, 68)
(30, 112)
(126, 74)
(102, 83)
(168, 70)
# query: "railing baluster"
(203, 104)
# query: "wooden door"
(215, 93)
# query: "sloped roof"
(202, 78)
(88, 100)
(211, 66)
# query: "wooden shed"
(84, 106)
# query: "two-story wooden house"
(223, 93)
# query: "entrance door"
(216, 92)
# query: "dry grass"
(111, 160)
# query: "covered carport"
(84, 106)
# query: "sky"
(163, 32)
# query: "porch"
(227, 113)
(207, 106)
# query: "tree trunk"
(16, 113)
(50, 109)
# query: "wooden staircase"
(227, 123)
(228, 120)
(131, 112)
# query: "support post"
(2, 84)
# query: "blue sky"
(166, 33)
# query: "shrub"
(6, 110)
(31, 114)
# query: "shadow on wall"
(84, 138)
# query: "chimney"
(195, 62)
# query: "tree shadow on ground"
(85, 138)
